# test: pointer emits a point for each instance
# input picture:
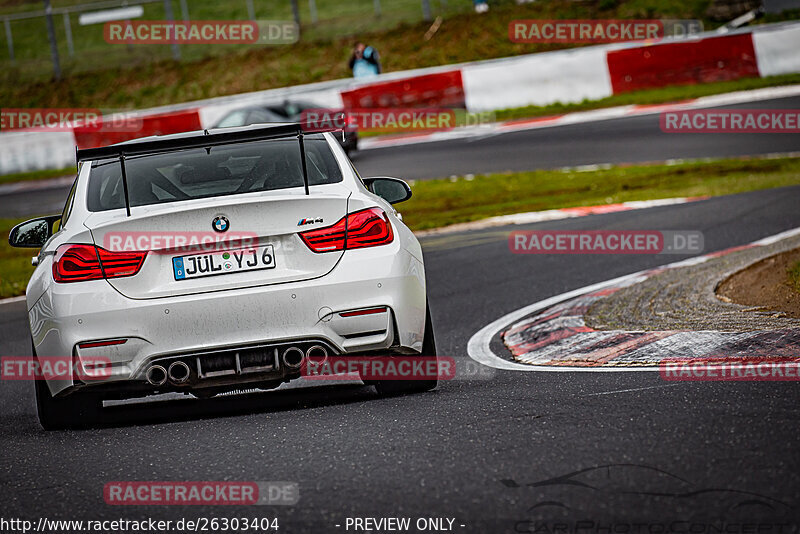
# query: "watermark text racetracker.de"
(731, 121)
(85, 368)
(253, 32)
(710, 370)
(605, 242)
(217, 493)
(396, 367)
(106, 526)
(171, 242)
(388, 120)
(600, 30)
(66, 120)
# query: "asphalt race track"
(628, 140)
(494, 454)
(490, 453)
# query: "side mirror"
(33, 233)
(392, 190)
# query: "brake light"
(120, 264)
(81, 263)
(326, 239)
(365, 228)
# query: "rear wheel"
(77, 410)
(400, 387)
(73, 411)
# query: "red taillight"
(326, 239)
(119, 264)
(368, 228)
(76, 263)
(80, 263)
(365, 228)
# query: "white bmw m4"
(217, 261)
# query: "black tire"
(78, 410)
(400, 387)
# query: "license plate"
(223, 262)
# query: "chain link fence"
(67, 36)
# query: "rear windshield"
(215, 172)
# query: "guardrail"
(573, 75)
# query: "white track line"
(531, 217)
(479, 346)
(632, 389)
(12, 300)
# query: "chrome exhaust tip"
(178, 372)
(156, 375)
(293, 357)
(317, 355)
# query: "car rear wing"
(203, 139)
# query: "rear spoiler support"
(125, 185)
(303, 161)
(203, 139)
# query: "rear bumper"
(69, 314)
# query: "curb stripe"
(479, 345)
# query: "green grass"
(335, 19)
(439, 203)
(794, 276)
(15, 263)
(121, 77)
(36, 175)
(442, 202)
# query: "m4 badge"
(304, 222)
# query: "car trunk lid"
(246, 229)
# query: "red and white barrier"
(692, 61)
(158, 124)
(587, 73)
(537, 79)
(34, 151)
(778, 51)
(601, 71)
(439, 89)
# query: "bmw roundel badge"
(220, 224)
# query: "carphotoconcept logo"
(605, 242)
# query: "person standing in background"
(364, 61)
